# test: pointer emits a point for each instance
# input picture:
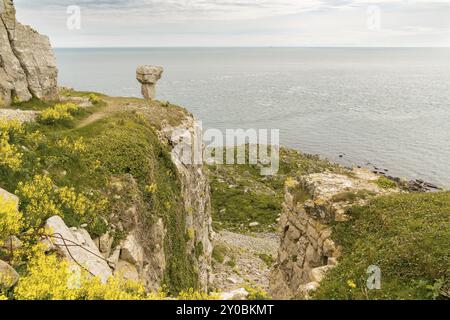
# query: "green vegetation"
(407, 236)
(352, 197)
(268, 259)
(219, 253)
(83, 161)
(240, 195)
(386, 183)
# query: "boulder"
(8, 276)
(148, 76)
(317, 274)
(113, 259)
(9, 196)
(13, 243)
(105, 243)
(131, 250)
(77, 246)
(127, 271)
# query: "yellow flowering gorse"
(42, 199)
(77, 146)
(49, 278)
(10, 156)
(58, 113)
(10, 219)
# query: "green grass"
(407, 236)
(240, 195)
(386, 183)
(352, 197)
(219, 253)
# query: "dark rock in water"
(431, 186)
(421, 186)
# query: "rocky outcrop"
(76, 246)
(27, 64)
(196, 195)
(140, 254)
(307, 251)
(148, 76)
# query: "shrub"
(218, 253)
(49, 278)
(77, 146)
(256, 293)
(386, 183)
(94, 99)
(41, 199)
(10, 219)
(10, 156)
(59, 113)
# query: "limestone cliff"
(307, 251)
(27, 64)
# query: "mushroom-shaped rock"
(148, 76)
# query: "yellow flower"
(351, 284)
(291, 183)
(10, 219)
(10, 156)
(58, 113)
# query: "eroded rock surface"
(307, 251)
(148, 76)
(77, 246)
(27, 63)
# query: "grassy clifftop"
(407, 236)
(86, 150)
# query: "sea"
(386, 108)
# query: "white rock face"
(80, 247)
(8, 276)
(148, 76)
(27, 64)
(8, 196)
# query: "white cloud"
(241, 22)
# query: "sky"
(239, 23)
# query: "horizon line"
(255, 47)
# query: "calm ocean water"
(384, 107)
